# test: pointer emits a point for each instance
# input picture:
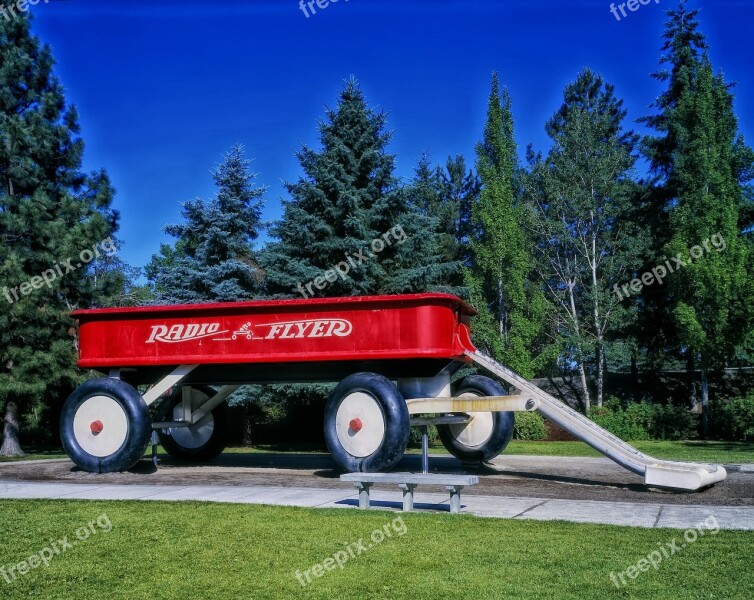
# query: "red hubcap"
(96, 427)
(356, 425)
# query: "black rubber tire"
(217, 441)
(395, 413)
(502, 429)
(137, 417)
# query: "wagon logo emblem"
(183, 333)
(316, 328)
(284, 330)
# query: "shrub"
(733, 420)
(529, 426)
(644, 421)
(628, 424)
(673, 423)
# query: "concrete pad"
(495, 506)
(606, 513)
(120, 492)
(44, 491)
(691, 517)
(308, 497)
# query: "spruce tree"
(213, 258)
(50, 213)
(462, 189)
(346, 201)
(429, 193)
(510, 317)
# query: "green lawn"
(696, 451)
(194, 550)
(36, 454)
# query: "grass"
(693, 450)
(193, 550)
(36, 454)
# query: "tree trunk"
(249, 426)
(585, 387)
(600, 357)
(501, 317)
(582, 370)
(705, 398)
(634, 376)
(694, 405)
(599, 350)
(11, 446)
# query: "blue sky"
(165, 87)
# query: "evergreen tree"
(213, 259)
(683, 46)
(52, 215)
(429, 195)
(340, 209)
(462, 189)
(510, 307)
(119, 284)
(703, 172)
(708, 296)
(582, 198)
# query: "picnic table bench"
(408, 482)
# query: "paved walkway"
(581, 511)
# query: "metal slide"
(663, 473)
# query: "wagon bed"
(279, 340)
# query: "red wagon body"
(425, 329)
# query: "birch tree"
(581, 200)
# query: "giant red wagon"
(392, 356)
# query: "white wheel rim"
(477, 431)
(367, 440)
(107, 414)
(193, 437)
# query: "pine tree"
(582, 198)
(213, 258)
(340, 209)
(510, 317)
(52, 216)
